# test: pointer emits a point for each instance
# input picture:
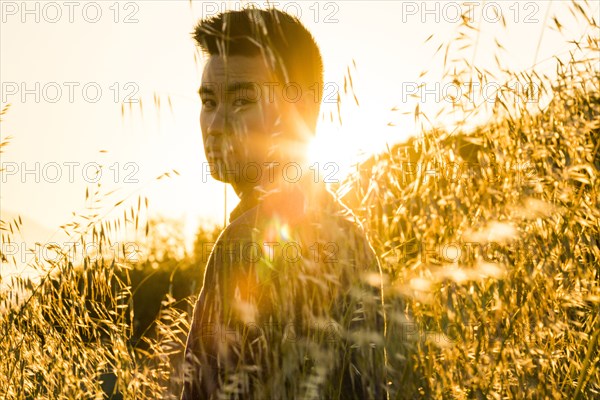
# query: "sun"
(332, 154)
(336, 150)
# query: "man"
(289, 307)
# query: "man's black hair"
(282, 40)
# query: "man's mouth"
(214, 157)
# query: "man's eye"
(241, 102)
(208, 103)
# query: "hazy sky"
(79, 61)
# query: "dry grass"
(516, 316)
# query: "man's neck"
(281, 191)
(247, 201)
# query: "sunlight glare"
(336, 150)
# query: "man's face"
(241, 118)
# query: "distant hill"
(30, 232)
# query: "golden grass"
(515, 316)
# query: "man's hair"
(282, 40)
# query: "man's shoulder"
(330, 216)
(243, 227)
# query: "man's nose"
(219, 123)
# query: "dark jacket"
(288, 308)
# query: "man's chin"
(217, 171)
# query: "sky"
(76, 73)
